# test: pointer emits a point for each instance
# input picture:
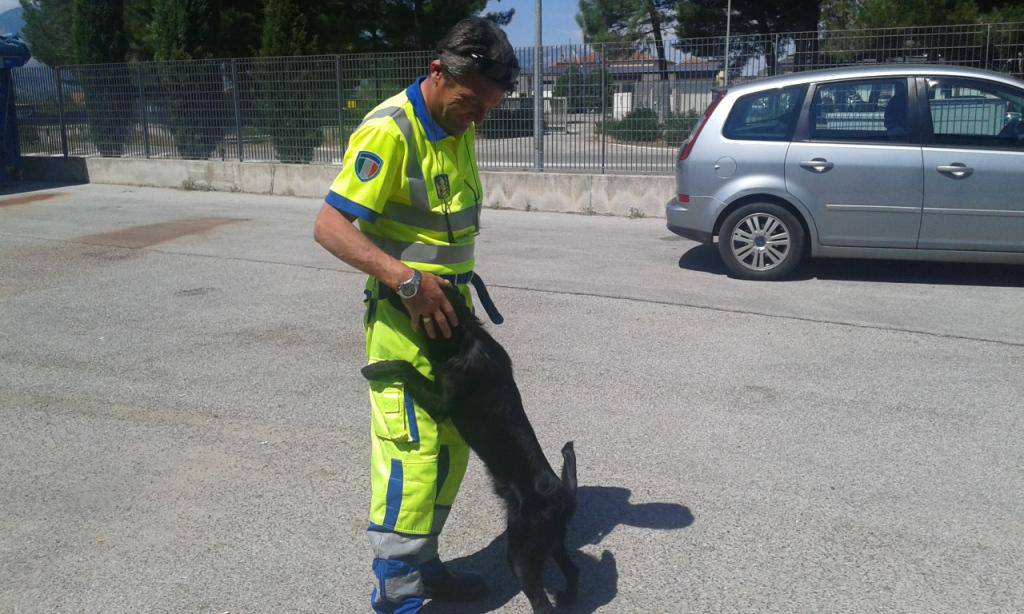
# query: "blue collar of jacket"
(431, 128)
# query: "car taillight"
(684, 198)
(690, 142)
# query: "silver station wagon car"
(889, 161)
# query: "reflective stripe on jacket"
(401, 174)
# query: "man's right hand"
(430, 308)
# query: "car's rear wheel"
(761, 241)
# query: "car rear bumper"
(694, 220)
(691, 233)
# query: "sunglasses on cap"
(503, 74)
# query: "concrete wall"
(626, 195)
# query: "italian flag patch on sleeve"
(368, 165)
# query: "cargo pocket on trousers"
(394, 416)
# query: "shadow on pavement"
(704, 258)
(22, 187)
(600, 509)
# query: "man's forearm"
(339, 236)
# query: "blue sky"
(559, 23)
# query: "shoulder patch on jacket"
(367, 165)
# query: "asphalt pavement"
(183, 427)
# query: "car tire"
(761, 241)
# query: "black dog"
(474, 388)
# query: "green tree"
(623, 24)
(47, 23)
(954, 46)
(186, 35)
(416, 25)
(287, 29)
(849, 14)
(138, 26)
(240, 23)
(581, 87)
(186, 29)
(706, 18)
(97, 28)
(502, 18)
(238, 27)
(1001, 11)
(292, 95)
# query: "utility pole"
(725, 63)
(538, 91)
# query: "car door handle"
(956, 169)
(818, 165)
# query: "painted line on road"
(764, 314)
(644, 301)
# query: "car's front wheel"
(761, 241)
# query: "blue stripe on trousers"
(394, 494)
(410, 416)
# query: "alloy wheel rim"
(760, 241)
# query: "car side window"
(972, 113)
(765, 116)
(864, 110)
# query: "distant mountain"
(11, 21)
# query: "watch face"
(409, 288)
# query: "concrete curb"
(623, 195)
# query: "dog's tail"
(569, 468)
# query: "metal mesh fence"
(365, 81)
(101, 110)
(606, 108)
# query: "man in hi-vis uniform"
(409, 176)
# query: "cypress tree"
(97, 28)
(186, 36)
(294, 97)
(186, 29)
(47, 23)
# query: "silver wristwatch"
(411, 287)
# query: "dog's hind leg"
(572, 576)
(422, 389)
(528, 567)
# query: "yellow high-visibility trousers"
(416, 464)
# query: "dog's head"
(440, 349)
(459, 305)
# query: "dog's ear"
(457, 301)
(452, 293)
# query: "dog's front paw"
(382, 371)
